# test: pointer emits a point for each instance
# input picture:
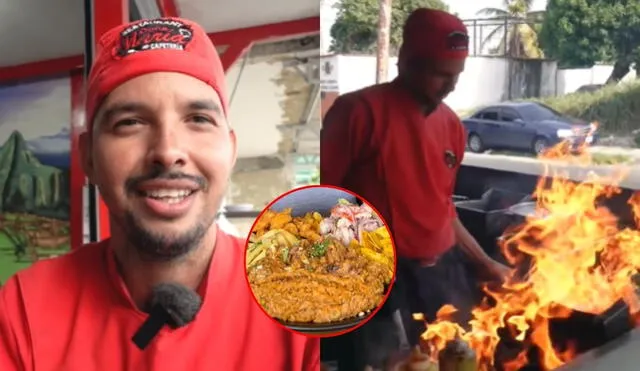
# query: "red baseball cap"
(153, 45)
(434, 34)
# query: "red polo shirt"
(378, 143)
(73, 313)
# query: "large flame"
(580, 259)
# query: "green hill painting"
(34, 207)
(35, 144)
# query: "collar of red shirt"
(218, 268)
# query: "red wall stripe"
(106, 15)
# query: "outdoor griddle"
(621, 354)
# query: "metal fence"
(498, 36)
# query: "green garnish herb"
(285, 255)
(342, 201)
(319, 249)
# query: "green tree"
(583, 33)
(355, 28)
(519, 35)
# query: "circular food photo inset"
(320, 260)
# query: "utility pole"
(384, 30)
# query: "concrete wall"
(255, 110)
(327, 101)
(265, 96)
(486, 80)
(570, 80)
(258, 187)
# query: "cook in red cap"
(399, 146)
(160, 149)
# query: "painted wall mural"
(34, 172)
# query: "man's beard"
(426, 103)
(154, 246)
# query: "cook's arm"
(468, 243)
(343, 134)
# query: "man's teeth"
(169, 195)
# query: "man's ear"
(84, 144)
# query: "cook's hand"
(495, 270)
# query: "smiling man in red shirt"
(160, 149)
(399, 147)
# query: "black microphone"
(171, 304)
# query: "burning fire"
(580, 259)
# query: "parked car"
(523, 127)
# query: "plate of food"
(319, 260)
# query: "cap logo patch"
(450, 159)
(154, 34)
(458, 40)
